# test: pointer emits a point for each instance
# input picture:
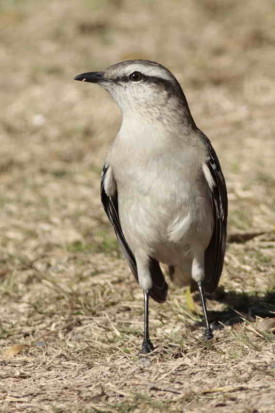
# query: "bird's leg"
(147, 345)
(208, 331)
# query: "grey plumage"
(110, 203)
(162, 185)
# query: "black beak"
(92, 77)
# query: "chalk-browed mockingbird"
(162, 186)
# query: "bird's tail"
(160, 287)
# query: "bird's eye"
(136, 76)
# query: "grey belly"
(172, 254)
(165, 232)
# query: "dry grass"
(71, 314)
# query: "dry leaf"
(266, 324)
(192, 306)
(13, 351)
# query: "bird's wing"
(214, 254)
(110, 203)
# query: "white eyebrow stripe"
(148, 71)
(208, 176)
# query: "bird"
(162, 186)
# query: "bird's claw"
(147, 347)
(208, 334)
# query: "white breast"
(164, 198)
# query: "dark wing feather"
(214, 254)
(110, 203)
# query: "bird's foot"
(208, 334)
(147, 347)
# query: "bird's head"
(139, 85)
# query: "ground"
(71, 312)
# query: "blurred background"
(54, 133)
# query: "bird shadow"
(241, 306)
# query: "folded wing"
(214, 254)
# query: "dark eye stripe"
(151, 79)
